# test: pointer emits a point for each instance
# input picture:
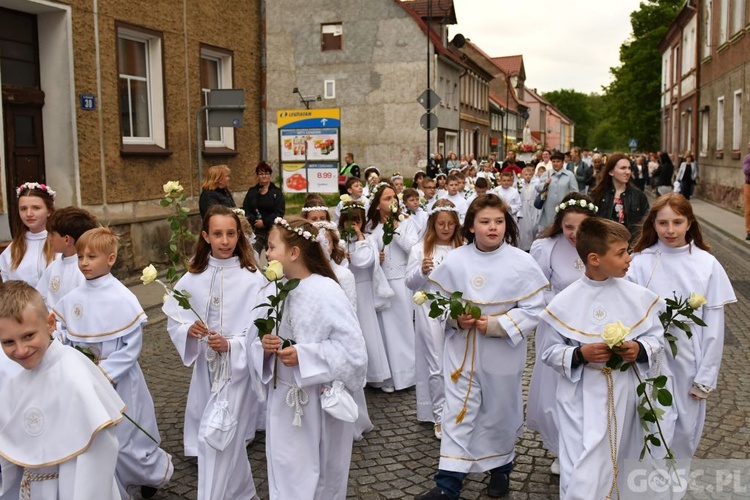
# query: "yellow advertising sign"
(308, 118)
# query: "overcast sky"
(564, 44)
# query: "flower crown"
(437, 210)
(377, 187)
(328, 226)
(581, 203)
(314, 209)
(352, 204)
(397, 176)
(35, 185)
(238, 212)
(296, 230)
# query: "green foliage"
(676, 307)
(181, 238)
(453, 306)
(577, 107)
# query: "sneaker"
(148, 491)
(388, 389)
(499, 485)
(438, 431)
(555, 467)
(434, 494)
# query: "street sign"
(88, 102)
(428, 99)
(633, 143)
(429, 121)
(233, 103)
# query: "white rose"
(149, 274)
(165, 298)
(614, 334)
(419, 298)
(172, 188)
(401, 217)
(345, 198)
(696, 300)
(274, 271)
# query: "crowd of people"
(437, 283)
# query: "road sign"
(633, 143)
(429, 121)
(428, 99)
(231, 104)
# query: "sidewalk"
(717, 223)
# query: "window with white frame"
(738, 16)
(707, 31)
(216, 73)
(331, 36)
(329, 89)
(704, 132)
(140, 87)
(737, 121)
(723, 20)
(720, 124)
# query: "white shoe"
(438, 431)
(388, 389)
(555, 467)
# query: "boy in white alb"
(105, 318)
(58, 415)
(429, 187)
(65, 227)
(355, 190)
(456, 196)
(593, 445)
(508, 192)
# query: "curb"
(720, 235)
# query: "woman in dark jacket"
(215, 189)
(663, 174)
(617, 197)
(263, 203)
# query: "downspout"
(263, 75)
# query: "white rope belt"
(29, 477)
(296, 398)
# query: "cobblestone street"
(398, 459)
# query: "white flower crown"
(328, 226)
(35, 185)
(296, 230)
(437, 210)
(346, 205)
(397, 176)
(377, 188)
(581, 203)
(314, 209)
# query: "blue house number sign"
(88, 102)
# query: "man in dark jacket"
(583, 172)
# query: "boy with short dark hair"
(429, 187)
(456, 196)
(105, 318)
(508, 192)
(597, 406)
(354, 190)
(58, 415)
(65, 227)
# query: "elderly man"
(554, 184)
(582, 172)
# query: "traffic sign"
(429, 121)
(428, 99)
(633, 143)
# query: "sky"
(565, 45)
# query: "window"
(738, 16)
(704, 132)
(329, 89)
(331, 37)
(216, 73)
(707, 8)
(140, 87)
(723, 20)
(720, 124)
(737, 121)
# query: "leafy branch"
(679, 307)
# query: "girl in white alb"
(555, 252)
(30, 252)
(396, 319)
(443, 234)
(308, 449)
(671, 259)
(222, 280)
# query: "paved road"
(398, 459)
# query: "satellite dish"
(458, 41)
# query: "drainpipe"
(263, 75)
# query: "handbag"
(220, 426)
(540, 199)
(338, 403)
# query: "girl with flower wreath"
(308, 445)
(315, 209)
(221, 277)
(672, 259)
(555, 252)
(442, 235)
(395, 319)
(31, 251)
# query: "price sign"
(323, 177)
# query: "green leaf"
(660, 381)
(476, 313)
(682, 326)
(625, 367)
(456, 296)
(457, 309)
(640, 389)
(698, 321)
(654, 440)
(175, 225)
(649, 416)
(164, 203)
(659, 413)
(664, 397)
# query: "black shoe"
(434, 494)
(148, 491)
(499, 485)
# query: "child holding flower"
(396, 319)
(672, 259)
(308, 450)
(221, 278)
(484, 358)
(31, 251)
(599, 426)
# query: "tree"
(575, 105)
(632, 100)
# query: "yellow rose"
(419, 298)
(149, 274)
(696, 300)
(345, 198)
(274, 271)
(614, 334)
(172, 188)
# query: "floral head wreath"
(296, 230)
(437, 210)
(238, 212)
(397, 176)
(352, 204)
(580, 203)
(326, 225)
(377, 188)
(26, 186)
(314, 209)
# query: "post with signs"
(309, 149)
(224, 109)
